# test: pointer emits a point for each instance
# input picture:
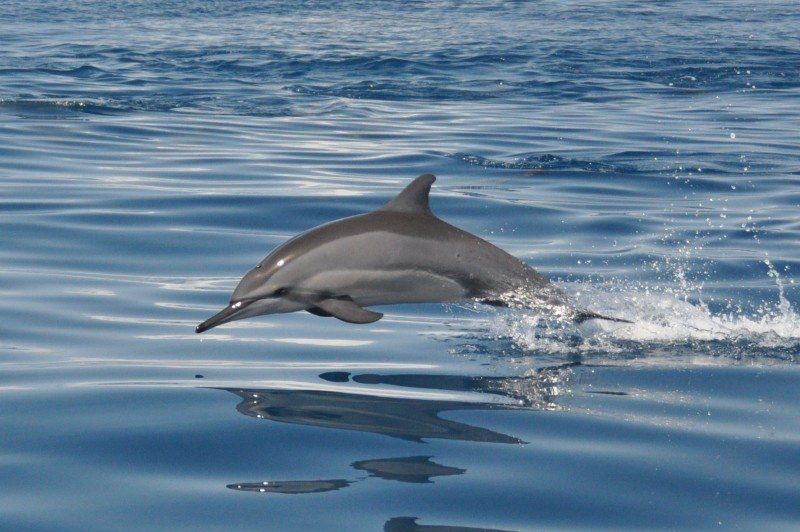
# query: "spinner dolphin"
(399, 253)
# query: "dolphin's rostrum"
(400, 253)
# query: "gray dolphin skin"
(399, 253)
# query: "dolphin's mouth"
(223, 315)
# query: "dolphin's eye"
(280, 292)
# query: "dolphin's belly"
(387, 287)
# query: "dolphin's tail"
(583, 315)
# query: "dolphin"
(399, 253)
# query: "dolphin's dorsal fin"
(413, 198)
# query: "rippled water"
(645, 156)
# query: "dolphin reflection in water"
(412, 469)
(409, 524)
(406, 418)
(398, 417)
(399, 253)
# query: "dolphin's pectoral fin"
(347, 310)
(316, 311)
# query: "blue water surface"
(645, 156)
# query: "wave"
(64, 107)
(395, 90)
(72, 107)
(540, 162)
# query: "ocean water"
(644, 156)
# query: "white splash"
(667, 317)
